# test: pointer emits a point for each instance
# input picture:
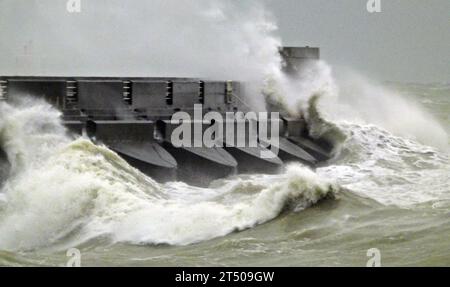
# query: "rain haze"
(407, 41)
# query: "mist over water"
(366, 101)
(213, 39)
(355, 98)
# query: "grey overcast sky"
(408, 41)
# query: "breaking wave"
(385, 146)
(390, 169)
(63, 192)
(321, 129)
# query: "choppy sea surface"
(383, 190)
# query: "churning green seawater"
(383, 191)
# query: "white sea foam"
(361, 100)
(390, 169)
(394, 151)
(67, 192)
(63, 192)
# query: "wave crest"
(66, 192)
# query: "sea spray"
(386, 146)
(323, 100)
(66, 191)
(240, 203)
(299, 95)
(292, 93)
(322, 130)
(364, 101)
(409, 179)
(212, 39)
(30, 129)
(390, 169)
